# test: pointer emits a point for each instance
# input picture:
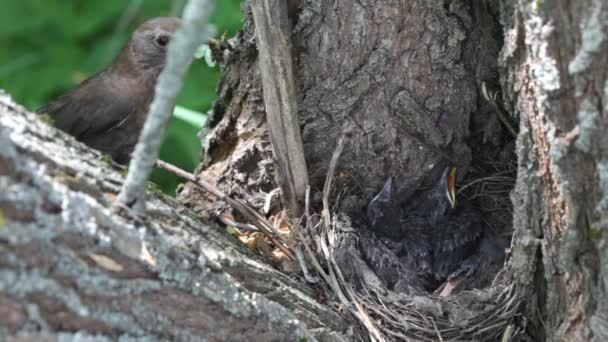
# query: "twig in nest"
(401, 319)
(335, 277)
(309, 278)
(229, 221)
(491, 97)
(311, 254)
(330, 178)
(497, 179)
(506, 336)
(436, 330)
(258, 220)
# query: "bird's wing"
(458, 232)
(455, 240)
(91, 108)
(397, 273)
(415, 236)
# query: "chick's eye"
(162, 40)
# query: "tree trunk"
(414, 86)
(554, 76)
(403, 80)
(399, 79)
(380, 72)
(70, 268)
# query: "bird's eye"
(163, 40)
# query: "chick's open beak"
(451, 182)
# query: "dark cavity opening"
(423, 243)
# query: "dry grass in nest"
(474, 315)
(480, 315)
(489, 186)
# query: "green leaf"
(194, 118)
(48, 47)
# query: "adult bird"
(429, 230)
(108, 110)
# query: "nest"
(480, 315)
(327, 242)
(475, 315)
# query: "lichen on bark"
(63, 253)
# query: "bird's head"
(443, 196)
(149, 43)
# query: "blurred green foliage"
(48, 47)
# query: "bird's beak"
(451, 182)
(386, 193)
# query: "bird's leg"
(466, 269)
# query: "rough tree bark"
(554, 68)
(69, 268)
(401, 79)
(384, 71)
(381, 72)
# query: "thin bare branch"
(194, 31)
(259, 221)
